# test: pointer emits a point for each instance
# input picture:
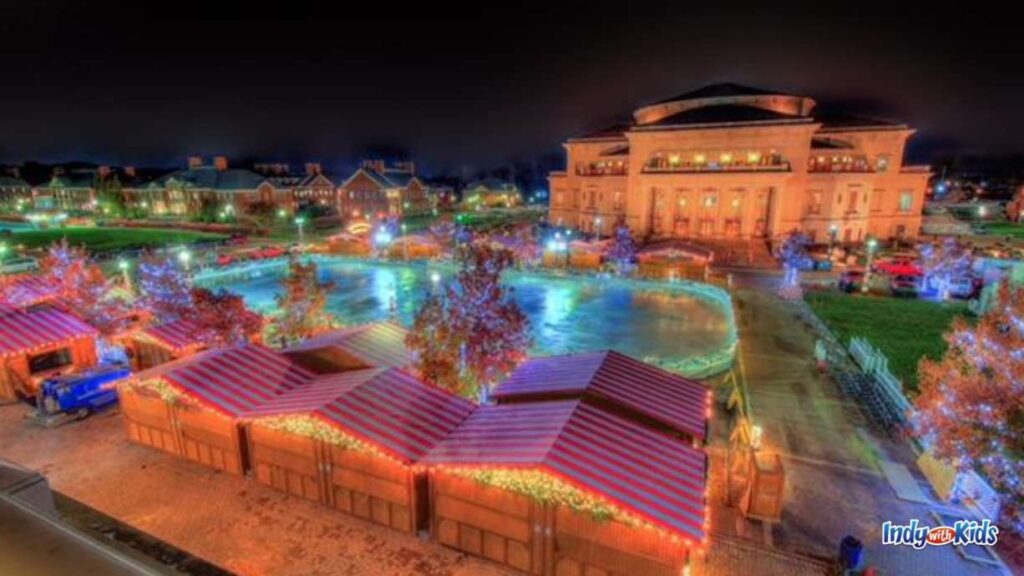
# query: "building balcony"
(657, 168)
(614, 171)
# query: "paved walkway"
(834, 482)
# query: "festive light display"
(623, 249)
(223, 317)
(793, 254)
(971, 406)
(944, 262)
(84, 289)
(303, 304)
(165, 288)
(473, 332)
(310, 427)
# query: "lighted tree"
(165, 288)
(302, 307)
(83, 288)
(793, 255)
(438, 351)
(474, 320)
(525, 248)
(443, 234)
(971, 406)
(944, 262)
(223, 318)
(622, 250)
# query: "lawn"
(905, 330)
(1005, 229)
(100, 240)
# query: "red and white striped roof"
(381, 344)
(27, 291)
(386, 407)
(177, 335)
(22, 332)
(234, 381)
(649, 474)
(671, 399)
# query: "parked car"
(851, 280)
(964, 287)
(905, 285)
(78, 395)
(899, 266)
(273, 252)
(225, 260)
(18, 265)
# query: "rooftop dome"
(734, 96)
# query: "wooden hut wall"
(189, 431)
(17, 374)
(535, 538)
(488, 522)
(147, 354)
(357, 483)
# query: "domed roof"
(743, 102)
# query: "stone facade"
(731, 162)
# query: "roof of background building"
(724, 114)
(649, 474)
(610, 376)
(13, 182)
(209, 177)
(838, 121)
(722, 90)
(386, 407)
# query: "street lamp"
(4, 249)
(300, 222)
(597, 227)
(123, 265)
(872, 245)
(185, 257)
(405, 244)
(833, 231)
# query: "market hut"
(41, 343)
(673, 260)
(414, 247)
(350, 440)
(564, 487)
(155, 345)
(193, 407)
(381, 344)
(619, 384)
(349, 244)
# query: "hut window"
(49, 360)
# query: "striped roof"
(234, 381)
(29, 290)
(649, 474)
(381, 344)
(637, 386)
(21, 332)
(177, 335)
(386, 407)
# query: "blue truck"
(77, 395)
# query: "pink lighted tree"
(83, 288)
(473, 332)
(302, 307)
(223, 317)
(971, 406)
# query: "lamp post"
(872, 245)
(597, 227)
(4, 249)
(405, 244)
(300, 222)
(185, 257)
(833, 231)
(123, 265)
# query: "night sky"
(466, 89)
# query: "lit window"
(699, 158)
(753, 157)
(726, 158)
(883, 163)
(710, 200)
(906, 201)
(674, 159)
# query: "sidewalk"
(834, 482)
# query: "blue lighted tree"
(793, 255)
(622, 251)
(944, 262)
(165, 287)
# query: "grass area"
(100, 240)
(905, 330)
(1005, 229)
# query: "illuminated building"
(733, 162)
(376, 189)
(491, 193)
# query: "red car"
(224, 260)
(899, 267)
(273, 252)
